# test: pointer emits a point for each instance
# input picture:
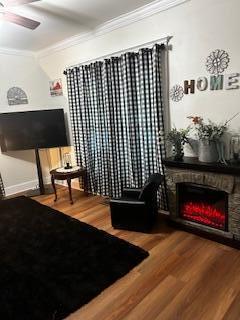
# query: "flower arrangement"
(209, 131)
(211, 146)
(178, 138)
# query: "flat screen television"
(32, 130)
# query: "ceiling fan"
(15, 18)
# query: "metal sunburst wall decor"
(217, 62)
(176, 93)
(16, 96)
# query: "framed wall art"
(56, 88)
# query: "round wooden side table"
(55, 175)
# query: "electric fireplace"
(202, 204)
(204, 198)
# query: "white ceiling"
(61, 19)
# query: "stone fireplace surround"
(220, 177)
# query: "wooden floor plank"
(185, 277)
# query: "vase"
(207, 151)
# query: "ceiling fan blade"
(22, 21)
(11, 3)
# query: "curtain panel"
(2, 191)
(116, 109)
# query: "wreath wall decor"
(176, 93)
(217, 61)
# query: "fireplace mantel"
(194, 164)
(213, 175)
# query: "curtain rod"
(161, 40)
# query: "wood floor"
(185, 276)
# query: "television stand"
(42, 189)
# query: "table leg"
(70, 190)
(54, 187)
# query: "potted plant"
(209, 135)
(178, 138)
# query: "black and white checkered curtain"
(116, 109)
(2, 191)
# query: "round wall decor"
(217, 61)
(16, 96)
(176, 93)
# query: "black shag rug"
(52, 264)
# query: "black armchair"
(137, 209)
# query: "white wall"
(198, 27)
(18, 168)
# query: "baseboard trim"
(25, 186)
(21, 187)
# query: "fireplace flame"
(204, 213)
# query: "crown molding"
(14, 52)
(119, 22)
